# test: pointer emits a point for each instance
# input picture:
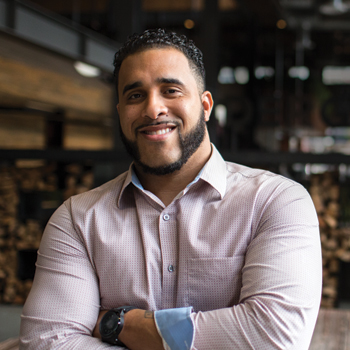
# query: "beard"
(188, 146)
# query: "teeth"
(159, 132)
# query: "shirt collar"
(213, 172)
(135, 180)
(127, 182)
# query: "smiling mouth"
(157, 132)
(157, 129)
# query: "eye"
(171, 91)
(135, 96)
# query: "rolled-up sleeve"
(62, 308)
(281, 282)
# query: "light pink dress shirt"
(240, 245)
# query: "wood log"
(325, 193)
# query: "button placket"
(171, 268)
(169, 244)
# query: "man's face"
(162, 113)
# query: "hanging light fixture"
(86, 70)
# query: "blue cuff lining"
(176, 327)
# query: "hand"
(139, 331)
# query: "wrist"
(140, 331)
(96, 331)
(130, 320)
(112, 324)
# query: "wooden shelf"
(244, 157)
(61, 155)
(269, 158)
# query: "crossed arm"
(139, 331)
(275, 313)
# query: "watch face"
(111, 321)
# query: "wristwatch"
(112, 324)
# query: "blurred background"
(279, 71)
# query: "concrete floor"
(10, 319)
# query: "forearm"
(254, 325)
(50, 323)
(58, 337)
(139, 330)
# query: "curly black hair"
(160, 38)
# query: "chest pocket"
(214, 283)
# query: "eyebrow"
(170, 81)
(131, 86)
(138, 84)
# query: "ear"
(207, 103)
(118, 108)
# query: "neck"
(167, 187)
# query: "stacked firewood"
(335, 240)
(78, 180)
(24, 234)
(8, 225)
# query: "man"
(185, 250)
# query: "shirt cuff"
(175, 327)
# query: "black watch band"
(112, 324)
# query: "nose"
(154, 107)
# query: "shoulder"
(245, 173)
(271, 198)
(261, 183)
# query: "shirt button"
(171, 268)
(166, 217)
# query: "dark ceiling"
(229, 32)
(322, 27)
(321, 14)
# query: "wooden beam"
(32, 83)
